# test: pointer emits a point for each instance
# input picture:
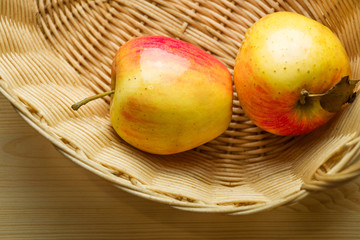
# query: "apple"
(287, 74)
(169, 95)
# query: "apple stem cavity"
(77, 105)
(333, 99)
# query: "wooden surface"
(43, 195)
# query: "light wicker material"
(54, 53)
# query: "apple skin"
(283, 53)
(170, 96)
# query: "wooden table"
(43, 195)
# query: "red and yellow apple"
(169, 96)
(284, 59)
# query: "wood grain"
(43, 195)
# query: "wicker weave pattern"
(53, 53)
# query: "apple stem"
(305, 94)
(77, 105)
(334, 98)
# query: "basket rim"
(139, 191)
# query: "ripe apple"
(286, 74)
(169, 96)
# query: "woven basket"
(54, 53)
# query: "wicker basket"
(54, 53)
